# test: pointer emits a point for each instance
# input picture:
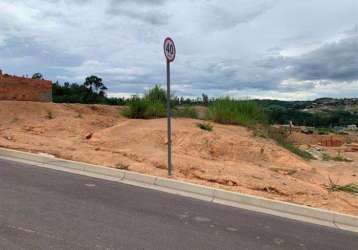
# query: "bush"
(49, 114)
(156, 94)
(205, 126)
(136, 108)
(238, 112)
(154, 109)
(151, 106)
(186, 112)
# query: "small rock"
(88, 136)
(8, 137)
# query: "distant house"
(351, 127)
(24, 89)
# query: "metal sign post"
(169, 52)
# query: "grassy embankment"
(247, 113)
(223, 110)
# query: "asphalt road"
(48, 209)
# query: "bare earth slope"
(229, 157)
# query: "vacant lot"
(228, 157)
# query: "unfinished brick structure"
(24, 89)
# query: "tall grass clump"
(136, 108)
(154, 109)
(156, 94)
(349, 188)
(280, 137)
(205, 126)
(185, 112)
(239, 112)
(152, 105)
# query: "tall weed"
(238, 112)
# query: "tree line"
(93, 91)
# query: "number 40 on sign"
(169, 49)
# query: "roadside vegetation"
(224, 110)
(205, 126)
(152, 105)
(50, 115)
(339, 158)
(348, 188)
(248, 113)
(185, 112)
(280, 136)
(238, 112)
(257, 115)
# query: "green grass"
(205, 126)
(14, 120)
(136, 108)
(349, 188)
(280, 136)
(156, 94)
(237, 112)
(324, 131)
(49, 114)
(339, 158)
(154, 109)
(152, 105)
(248, 113)
(122, 166)
(185, 112)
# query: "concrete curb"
(259, 204)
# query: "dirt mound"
(228, 157)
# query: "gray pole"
(169, 122)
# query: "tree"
(37, 76)
(95, 85)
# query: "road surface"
(47, 209)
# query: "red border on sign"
(175, 51)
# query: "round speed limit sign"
(169, 49)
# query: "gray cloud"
(335, 61)
(140, 2)
(150, 16)
(146, 11)
(221, 16)
(258, 48)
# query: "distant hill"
(322, 112)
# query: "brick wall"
(25, 89)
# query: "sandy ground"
(229, 157)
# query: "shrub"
(152, 105)
(205, 126)
(156, 94)
(239, 112)
(49, 114)
(187, 112)
(136, 108)
(154, 109)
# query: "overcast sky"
(281, 49)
